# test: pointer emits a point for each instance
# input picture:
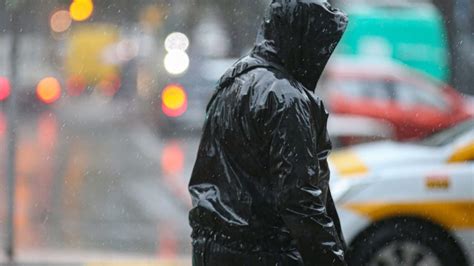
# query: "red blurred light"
(47, 131)
(76, 85)
(172, 159)
(4, 88)
(174, 100)
(110, 85)
(3, 126)
(48, 90)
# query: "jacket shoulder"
(271, 86)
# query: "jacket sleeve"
(301, 194)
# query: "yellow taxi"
(408, 203)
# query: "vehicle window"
(447, 136)
(406, 95)
(378, 90)
(366, 89)
(348, 88)
(410, 95)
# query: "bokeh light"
(47, 131)
(126, 50)
(76, 85)
(151, 17)
(176, 41)
(4, 88)
(172, 159)
(60, 21)
(109, 85)
(48, 90)
(81, 10)
(3, 126)
(174, 100)
(176, 62)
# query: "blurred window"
(447, 136)
(365, 89)
(410, 95)
(378, 90)
(348, 88)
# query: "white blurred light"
(176, 62)
(176, 41)
(211, 38)
(127, 50)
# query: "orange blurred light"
(81, 10)
(48, 90)
(60, 21)
(174, 100)
(4, 88)
(151, 16)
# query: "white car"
(408, 203)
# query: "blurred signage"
(437, 182)
(414, 35)
(87, 52)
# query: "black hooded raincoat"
(260, 182)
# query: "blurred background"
(102, 103)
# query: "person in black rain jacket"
(260, 184)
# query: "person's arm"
(300, 192)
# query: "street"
(88, 180)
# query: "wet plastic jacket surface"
(260, 184)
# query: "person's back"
(260, 182)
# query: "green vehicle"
(413, 34)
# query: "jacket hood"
(300, 35)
